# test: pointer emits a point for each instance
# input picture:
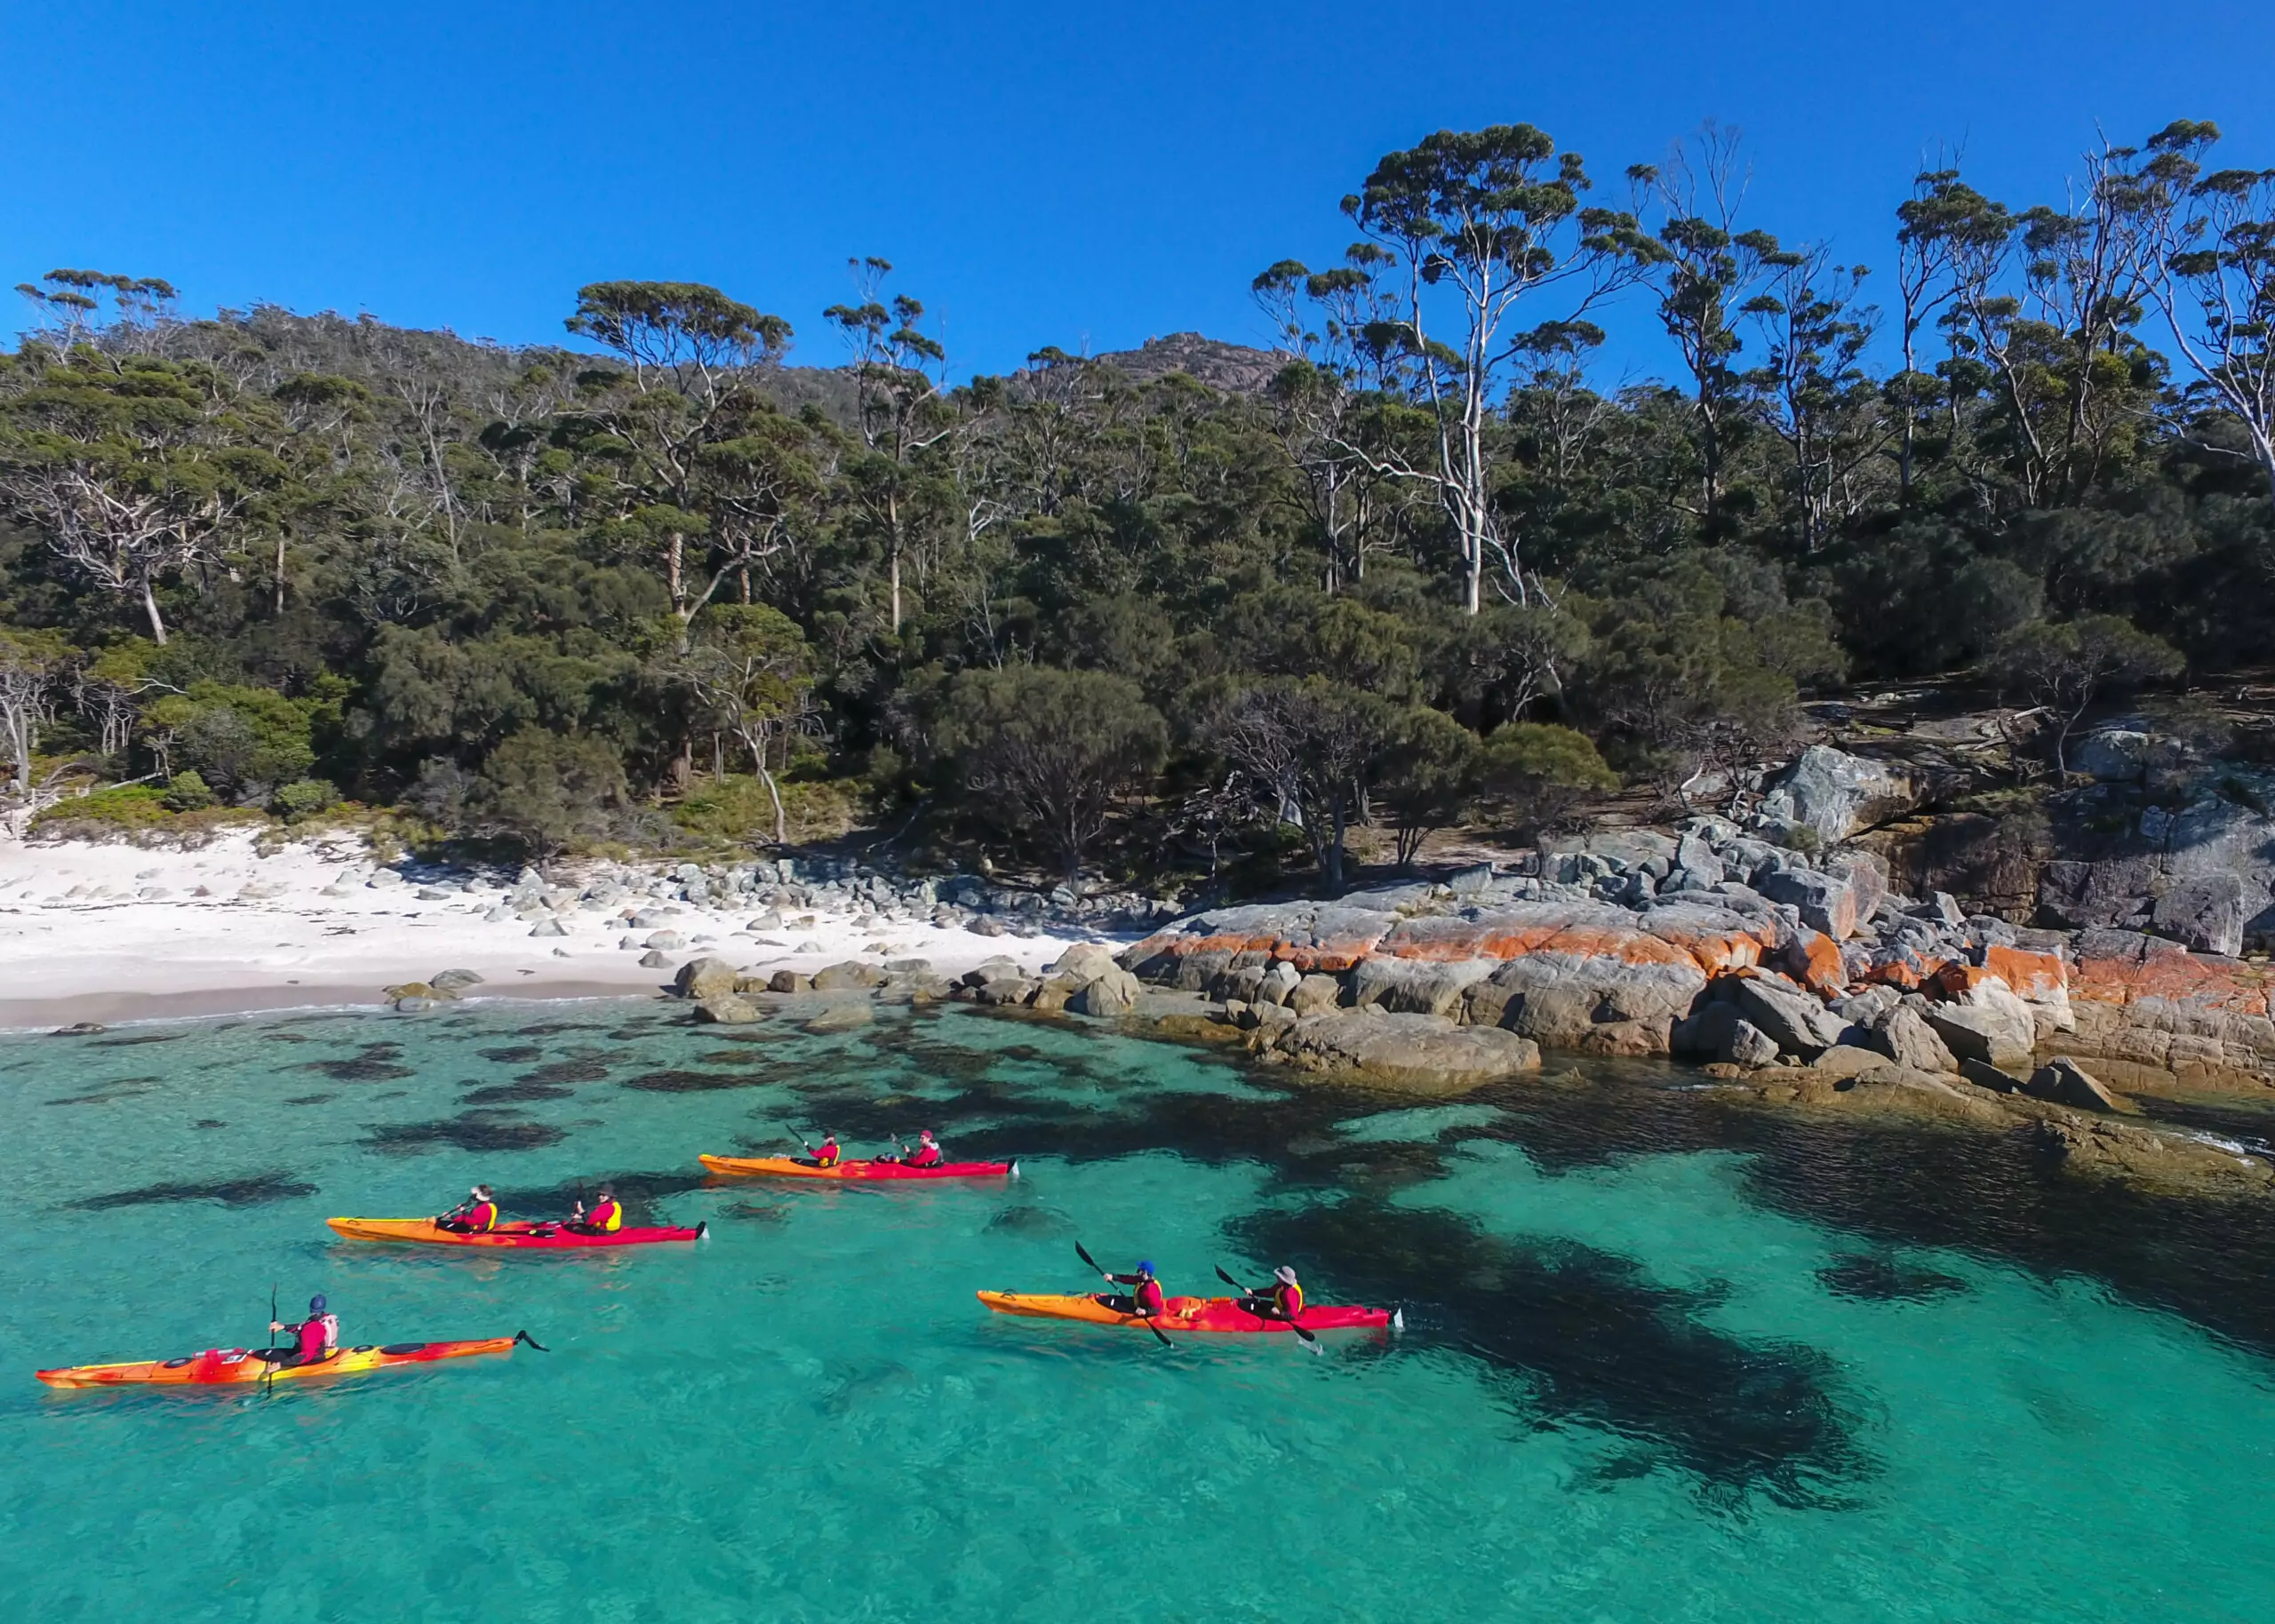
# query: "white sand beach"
(107, 933)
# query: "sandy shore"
(114, 933)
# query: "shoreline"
(111, 934)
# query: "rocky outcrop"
(1408, 1054)
(1836, 794)
(2149, 1011)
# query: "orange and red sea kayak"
(1184, 1313)
(220, 1367)
(506, 1237)
(791, 1167)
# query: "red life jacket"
(927, 1155)
(1148, 1296)
(1289, 1300)
(482, 1218)
(606, 1216)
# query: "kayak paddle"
(268, 1376)
(523, 1337)
(1249, 1290)
(1148, 1319)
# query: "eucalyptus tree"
(135, 470)
(750, 667)
(1482, 226)
(1811, 388)
(901, 412)
(2214, 248)
(683, 446)
(1709, 272)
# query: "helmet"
(315, 1304)
(1146, 1268)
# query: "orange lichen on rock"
(1713, 942)
(1816, 962)
(2032, 975)
(2131, 973)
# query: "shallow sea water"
(1662, 1361)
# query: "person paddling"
(827, 1157)
(1144, 1298)
(928, 1152)
(316, 1338)
(477, 1214)
(1283, 1299)
(606, 1218)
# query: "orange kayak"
(220, 1367)
(791, 1167)
(506, 1237)
(1185, 1313)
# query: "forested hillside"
(1427, 562)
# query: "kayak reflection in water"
(1145, 1301)
(928, 1153)
(1283, 1299)
(316, 1338)
(477, 1214)
(606, 1218)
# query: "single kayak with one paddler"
(220, 1366)
(791, 1167)
(1186, 1313)
(507, 1236)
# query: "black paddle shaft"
(1150, 1326)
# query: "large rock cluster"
(1713, 942)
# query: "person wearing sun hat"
(1283, 1299)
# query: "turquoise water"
(1660, 1362)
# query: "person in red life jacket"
(1283, 1299)
(316, 1338)
(1144, 1298)
(477, 1214)
(827, 1157)
(927, 1155)
(606, 1218)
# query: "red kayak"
(791, 1167)
(1187, 1313)
(506, 1237)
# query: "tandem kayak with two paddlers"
(507, 1236)
(1210, 1314)
(791, 1167)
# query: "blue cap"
(1145, 1269)
(315, 1304)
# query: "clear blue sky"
(1085, 176)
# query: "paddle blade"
(1090, 1260)
(523, 1337)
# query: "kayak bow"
(506, 1237)
(220, 1367)
(1184, 1313)
(790, 1167)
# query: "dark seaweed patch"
(474, 1130)
(286, 1037)
(1592, 1341)
(514, 1094)
(310, 1099)
(690, 1082)
(637, 1191)
(254, 1190)
(513, 1055)
(209, 1122)
(138, 1040)
(582, 1069)
(117, 1088)
(1880, 1279)
(374, 1064)
(548, 1029)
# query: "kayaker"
(1144, 1298)
(315, 1338)
(1283, 1299)
(827, 1157)
(606, 1218)
(477, 1214)
(927, 1153)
